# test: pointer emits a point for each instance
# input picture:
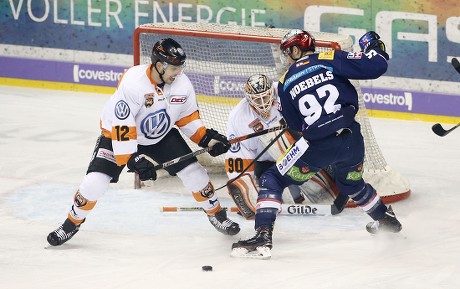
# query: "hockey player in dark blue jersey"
(318, 99)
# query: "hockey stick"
(439, 130)
(204, 150)
(286, 209)
(254, 160)
(456, 64)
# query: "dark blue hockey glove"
(369, 41)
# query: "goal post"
(220, 58)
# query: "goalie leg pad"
(244, 193)
(320, 188)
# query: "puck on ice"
(206, 268)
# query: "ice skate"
(257, 247)
(224, 224)
(388, 223)
(64, 233)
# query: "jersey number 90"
(235, 165)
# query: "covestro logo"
(392, 99)
(85, 75)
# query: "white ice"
(46, 141)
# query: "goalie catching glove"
(143, 165)
(219, 143)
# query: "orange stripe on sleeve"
(198, 135)
(106, 133)
(187, 119)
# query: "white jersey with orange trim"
(244, 120)
(139, 112)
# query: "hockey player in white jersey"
(258, 111)
(137, 126)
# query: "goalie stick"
(439, 130)
(255, 159)
(286, 209)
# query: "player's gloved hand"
(218, 142)
(144, 167)
(369, 41)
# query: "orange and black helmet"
(169, 51)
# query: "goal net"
(220, 58)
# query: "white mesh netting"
(220, 58)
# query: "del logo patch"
(178, 99)
(354, 55)
(328, 55)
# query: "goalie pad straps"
(244, 193)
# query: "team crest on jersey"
(122, 110)
(256, 125)
(208, 191)
(354, 55)
(156, 125)
(328, 55)
(148, 99)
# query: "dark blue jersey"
(316, 89)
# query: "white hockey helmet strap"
(259, 92)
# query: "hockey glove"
(142, 165)
(218, 142)
(369, 41)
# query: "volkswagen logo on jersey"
(122, 110)
(156, 125)
(235, 147)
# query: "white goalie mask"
(259, 92)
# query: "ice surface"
(46, 141)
